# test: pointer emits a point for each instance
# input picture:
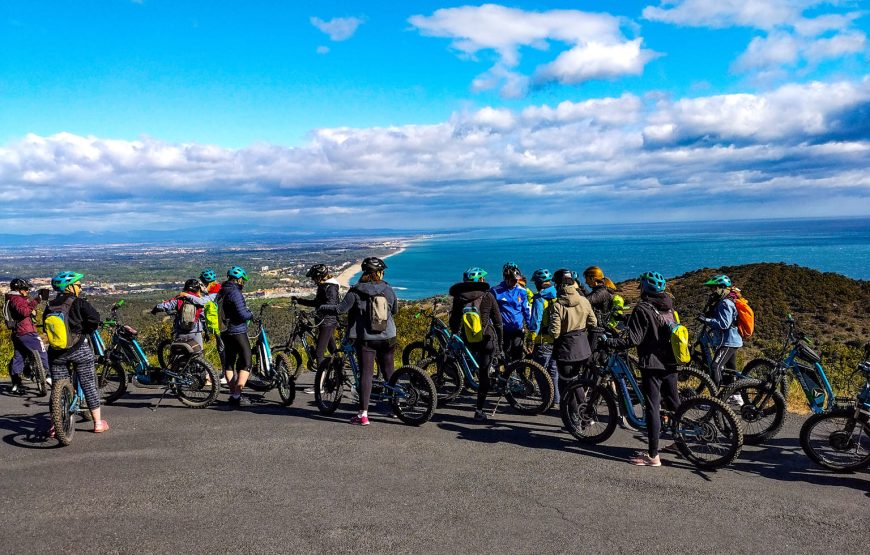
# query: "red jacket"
(22, 308)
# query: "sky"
(152, 114)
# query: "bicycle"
(67, 401)
(706, 432)
(432, 343)
(188, 376)
(269, 374)
(35, 371)
(839, 439)
(410, 391)
(302, 332)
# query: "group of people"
(552, 324)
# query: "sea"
(429, 266)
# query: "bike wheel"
(417, 351)
(707, 432)
(588, 411)
(448, 377)
(197, 384)
(112, 381)
(163, 349)
(38, 376)
(329, 384)
(62, 415)
(837, 441)
(760, 368)
(762, 412)
(412, 395)
(692, 382)
(286, 384)
(528, 387)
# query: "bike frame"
(804, 373)
(626, 383)
(388, 391)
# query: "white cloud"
(339, 28)
(323, 49)
(597, 48)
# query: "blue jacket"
(723, 325)
(547, 293)
(235, 309)
(513, 304)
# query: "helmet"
(719, 280)
(317, 271)
(563, 276)
(373, 264)
(593, 274)
(541, 275)
(207, 276)
(19, 284)
(652, 282)
(474, 274)
(191, 285)
(510, 269)
(64, 279)
(237, 272)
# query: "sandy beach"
(345, 276)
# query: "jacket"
(467, 292)
(327, 294)
(173, 306)
(235, 310)
(722, 319)
(570, 315)
(83, 318)
(22, 308)
(541, 308)
(513, 303)
(648, 334)
(355, 304)
(601, 299)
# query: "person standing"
(25, 341)
(539, 325)
(182, 328)
(327, 294)
(237, 346)
(571, 315)
(513, 304)
(720, 315)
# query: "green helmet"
(474, 274)
(719, 280)
(64, 279)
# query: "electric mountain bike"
(67, 402)
(268, 374)
(302, 341)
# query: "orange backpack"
(745, 318)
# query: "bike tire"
(163, 350)
(528, 387)
(416, 402)
(448, 377)
(203, 387)
(294, 361)
(760, 368)
(38, 372)
(692, 382)
(111, 381)
(826, 441)
(285, 383)
(594, 417)
(329, 384)
(763, 412)
(417, 351)
(62, 417)
(707, 432)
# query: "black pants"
(325, 340)
(483, 356)
(368, 353)
(658, 385)
(512, 345)
(725, 357)
(568, 372)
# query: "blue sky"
(431, 114)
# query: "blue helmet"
(238, 272)
(64, 279)
(542, 275)
(652, 282)
(474, 274)
(207, 276)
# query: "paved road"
(269, 479)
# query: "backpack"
(8, 319)
(678, 335)
(188, 314)
(212, 322)
(472, 323)
(377, 312)
(223, 322)
(56, 323)
(745, 318)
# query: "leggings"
(513, 345)
(25, 346)
(653, 383)
(369, 352)
(325, 340)
(82, 355)
(483, 356)
(725, 357)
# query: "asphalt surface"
(278, 480)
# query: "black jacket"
(327, 293)
(645, 331)
(466, 292)
(83, 318)
(601, 299)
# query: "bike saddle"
(130, 330)
(188, 347)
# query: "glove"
(155, 310)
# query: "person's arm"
(455, 318)
(194, 299)
(242, 309)
(536, 316)
(591, 319)
(169, 307)
(495, 318)
(635, 330)
(555, 328)
(90, 318)
(21, 306)
(394, 307)
(310, 303)
(724, 316)
(343, 307)
(527, 310)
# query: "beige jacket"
(571, 311)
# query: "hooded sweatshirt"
(355, 304)
(327, 294)
(648, 334)
(21, 308)
(571, 312)
(541, 302)
(465, 293)
(513, 302)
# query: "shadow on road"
(29, 431)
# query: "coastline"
(347, 274)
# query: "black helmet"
(191, 285)
(373, 264)
(19, 284)
(317, 271)
(563, 276)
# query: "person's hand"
(44, 293)
(155, 310)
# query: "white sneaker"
(735, 400)
(48, 380)
(308, 391)
(223, 381)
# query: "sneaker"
(643, 459)
(48, 380)
(480, 416)
(736, 400)
(308, 391)
(101, 426)
(234, 401)
(223, 381)
(359, 420)
(50, 433)
(244, 402)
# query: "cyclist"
(539, 325)
(473, 295)
(720, 314)
(82, 320)
(25, 340)
(513, 303)
(181, 330)
(658, 367)
(570, 316)
(237, 347)
(601, 292)
(363, 320)
(211, 287)
(327, 293)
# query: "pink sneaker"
(101, 426)
(360, 420)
